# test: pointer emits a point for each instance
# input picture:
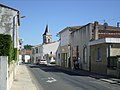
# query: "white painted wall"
(51, 47)
(41, 52)
(45, 49)
(64, 37)
(39, 55)
(64, 45)
(27, 57)
(4, 73)
(58, 59)
(6, 23)
(81, 38)
(20, 59)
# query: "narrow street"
(52, 78)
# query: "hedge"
(15, 54)
(6, 48)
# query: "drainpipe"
(95, 30)
(108, 55)
(14, 30)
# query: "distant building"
(24, 55)
(47, 37)
(46, 50)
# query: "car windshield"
(43, 60)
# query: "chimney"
(105, 25)
(96, 30)
(96, 23)
(118, 23)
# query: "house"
(46, 50)
(105, 50)
(63, 52)
(92, 42)
(36, 53)
(104, 54)
(9, 23)
(79, 44)
(26, 55)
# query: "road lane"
(51, 78)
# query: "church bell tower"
(47, 37)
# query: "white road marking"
(51, 79)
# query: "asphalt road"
(52, 78)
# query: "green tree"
(28, 47)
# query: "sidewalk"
(22, 79)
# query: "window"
(98, 54)
(36, 59)
(33, 51)
(85, 54)
(51, 52)
(48, 40)
(59, 56)
(77, 51)
(36, 50)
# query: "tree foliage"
(6, 48)
(28, 47)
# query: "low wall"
(7, 73)
(4, 73)
(11, 73)
(112, 72)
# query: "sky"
(59, 14)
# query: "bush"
(52, 62)
(6, 48)
(15, 54)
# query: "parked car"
(43, 61)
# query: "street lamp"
(22, 16)
(14, 27)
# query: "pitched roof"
(71, 28)
(8, 7)
(102, 27)
(14, 10)
(46, 31)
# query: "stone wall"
(99, 66)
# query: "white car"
(43, 61)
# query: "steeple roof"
(46, 30)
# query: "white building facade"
(9, 23)
(63, 52)
(46, 50)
